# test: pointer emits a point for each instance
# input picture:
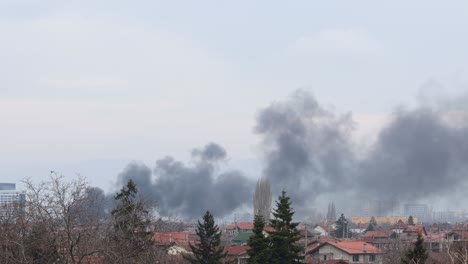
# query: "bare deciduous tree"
(262, 198)
(64, 225)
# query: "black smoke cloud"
(419, 154)
(188, 190)
(309, 152)
(307, 148)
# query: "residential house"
(382, 239)
(415, 230)
(236, 254)
(352, 251)
(399, 227)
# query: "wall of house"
(335, 253)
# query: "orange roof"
(230, 227)
(235, 250)
(245, 226)
(169, 237)
(378, 234)
(400, 224)
(354, 247)
(416, 229)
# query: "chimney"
(365, 248)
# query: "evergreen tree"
(284, 238)
(131, 220)
(411, 220)
(259, 251)
(342, 230)
(207, 250)
(372, 225)
(418, 254)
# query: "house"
(174, 243)
(437, 241)
(352, 251)
(382, 239)
(399, 227)
(166, 238)
(234, 229)
(236, 254)
(415, 230)
(324, 230)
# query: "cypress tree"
(259, 249)
(284, 238)
(411, 220)
(418, 254)
(207, 250)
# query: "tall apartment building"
(421, 211)
(10, 198)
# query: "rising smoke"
(309, 151)
(189, 190)
(307, 147)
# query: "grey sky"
(87, 86)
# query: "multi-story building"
(421, 211)
(10, 198)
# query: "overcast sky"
(86, 86)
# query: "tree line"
(65, 222)
(276, 244)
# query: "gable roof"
(353, 247)
(235, 250)
(230, 227)
(167, 238)
(245, 225)
(379, 234)
(416, 229)
(400, 225)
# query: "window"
(355, 258)
(324, 257)
(371, 258)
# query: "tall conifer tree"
(418, 254)
(284, 238)
(207, 250)
(259, 251)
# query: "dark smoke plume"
(418, 154)
(308, 151)
(189, 190)
(307, 147)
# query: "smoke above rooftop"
(188, 190)
(308, 150)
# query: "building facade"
(10, 198)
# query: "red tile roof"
(230, 227)
(354, 247)
(245, 226)
(170, 237)
(235, 250)
(378, 234)
(400, 225)
(416, 229)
